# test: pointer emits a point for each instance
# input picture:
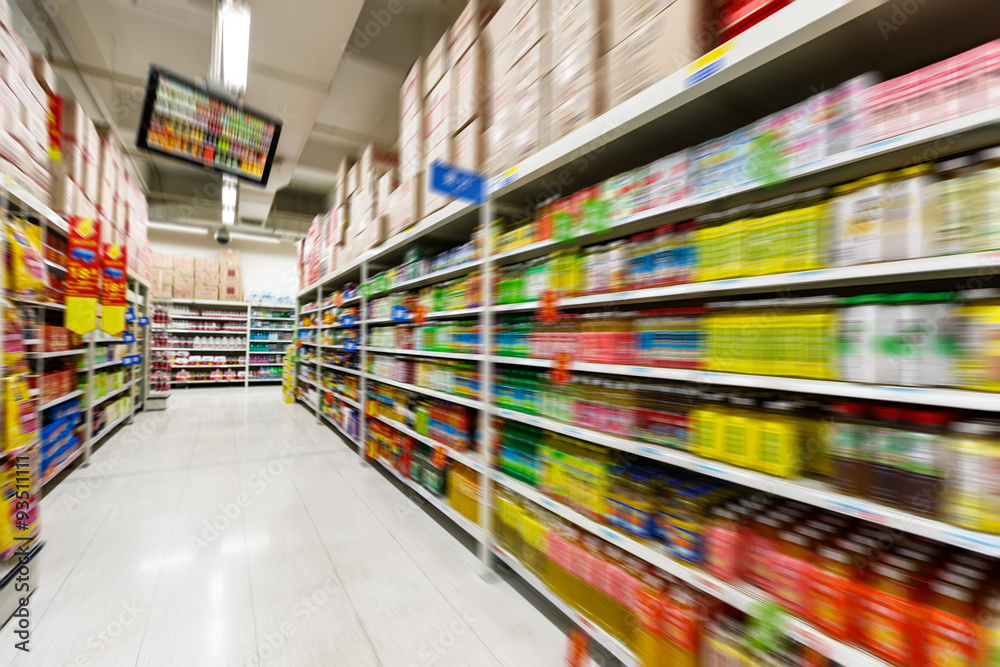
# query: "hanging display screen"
(185, 121)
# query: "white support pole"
(486, 390)
(246, 358)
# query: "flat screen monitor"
(185, 121)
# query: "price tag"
(548, 311)
(561, 373)
(144, 321)
(128, 338)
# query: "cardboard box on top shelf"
(411, 145)
(229, 257)
(208, 292)
(411, 95)
(468, 87)
(344, 168)
(532, 28)
(227, 284)
(437, 116)
(162, 292)
(387, 183)
(575, 113)
(468, 147)
(468, 26)
(206, 265)
(577, 22)
(162, 276)
(408, 203)
(183, 290)
(231, 272)
(627, 16)
(206, 278)
(432, 201)
(184, 264)
(64, 193)
(231, 293)
(353, 179)
(436, 64)
(376, 161)
(43, 72)
(162, 260)
(374, 234)
(672, 39)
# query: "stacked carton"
(438, 117)
(230, 275)
(161, 280)
(24, 136)
(183, 277)
(368, 227)
(406, 206)
(206, 279)
(648, 41)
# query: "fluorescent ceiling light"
(255, 237)
(170, 227)
(234, 34)
(228, 216)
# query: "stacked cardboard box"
(648, 41)
(368, 227)
(406, 206)
(24, 136)
(183, 277)
(206, 279)
(162, 276)
(230, 275)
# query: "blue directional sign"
(351, 346)
(453, 181)
(130, 315)
(128, 338)
(144, 321)
(400, 314)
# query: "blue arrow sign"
(453, 181)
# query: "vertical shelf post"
(362, 321)
(486, 413)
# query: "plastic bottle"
(973, 497)
(848, 438)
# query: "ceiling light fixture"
(228, 216)
(255, 237)
(234, 43)
(170, 227)
(229, 191)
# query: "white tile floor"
(233, 529)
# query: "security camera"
(222, 236)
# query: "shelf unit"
(248, 313)
(17, 201)
(803, 34)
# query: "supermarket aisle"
(234, 530)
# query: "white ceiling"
(331, 102)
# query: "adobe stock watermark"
(100, 641)
(363, 34)
(231, 511)
(440, 645)
(302, 611)
(901, 14)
